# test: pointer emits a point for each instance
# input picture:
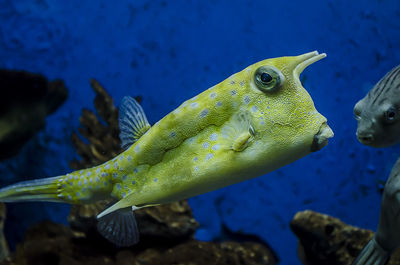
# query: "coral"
(327, 240)
(103, 141)
(25, 102)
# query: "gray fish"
(378, 113)
(387, 236)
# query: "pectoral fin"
(119, 227)
(238, 132)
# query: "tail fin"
(33, 190)
(372, 254)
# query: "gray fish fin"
(372, 254)
(238, 132)
(132, 121)
(119, 227)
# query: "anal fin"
(119, 227)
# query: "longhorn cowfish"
(255, 121)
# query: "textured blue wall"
(169, 51)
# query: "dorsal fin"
(132, 122)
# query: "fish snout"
(365, 138)
(322, 137)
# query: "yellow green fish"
(255, 121)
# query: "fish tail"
(83, 186)
(46, 189)
(372, 254)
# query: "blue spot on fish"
(215, 147)
(246, 99)
(203, 113)
(137, 148)
(213, 137)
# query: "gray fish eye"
(390, 115)
(267, 79)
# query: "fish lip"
(307, 59)
(367, 138)
(321, 137)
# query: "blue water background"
(169, 51)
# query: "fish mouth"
(304, 60)
(365, 138)
(321, 138)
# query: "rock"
(198, 253)
(4, 251)
(50, 243)
(172, 221)
(327, 240)
(26, 100)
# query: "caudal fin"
(372, 254)
(32, 190)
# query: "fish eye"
(390, 115)
(268, 78)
